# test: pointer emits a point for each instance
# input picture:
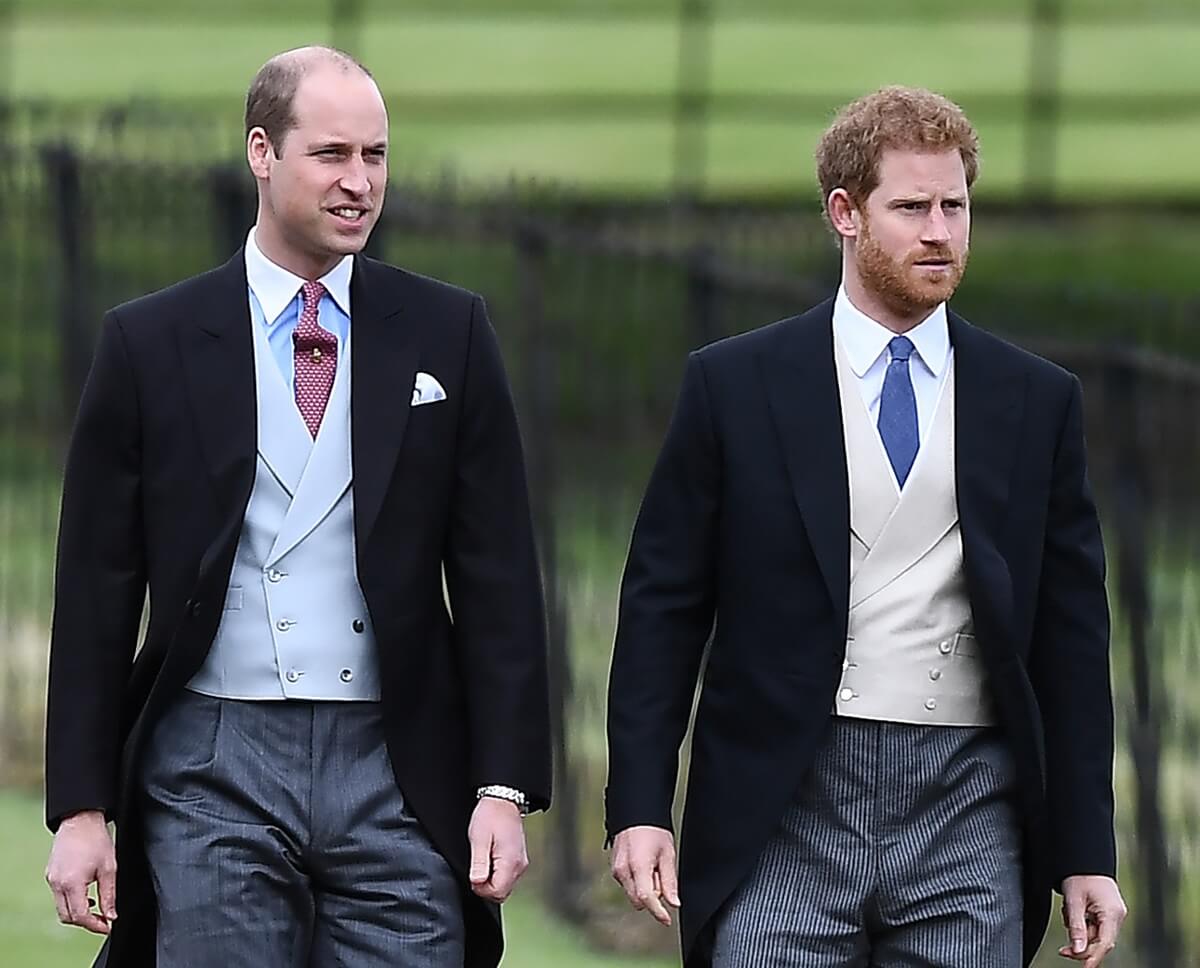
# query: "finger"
(1105, 940)
(108, 892)
(481, 858)
(622, 875)
(1096, 955)
(668, 880)
(79, 913)
(644, 887)
(503, 879)
(60, 905)
(1109, 927)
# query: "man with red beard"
(878, 520)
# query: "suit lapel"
(874, 494)
(386, 350)
(803, 393)
(926, 510)
(989, 405)
(217, 357)
(326, 474)
(284, 443)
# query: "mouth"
(351, 214)
(934, 263)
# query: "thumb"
(107, 883)
(1076, 925)
(670, 884)
(481, 858)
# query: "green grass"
(476, 55)
(917, 9)
(31, 935)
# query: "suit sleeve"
(100, 584)
(666, 615)
(494, 582)
(1069, 665)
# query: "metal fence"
(595, 314)
(1041, 90)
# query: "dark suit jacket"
(158, 476)
(745, 523)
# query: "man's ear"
(259, 152)
(843, 213)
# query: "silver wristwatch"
(511, 794)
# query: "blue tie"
(898, 410)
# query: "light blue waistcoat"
(295, 624)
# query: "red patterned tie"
(316, 359)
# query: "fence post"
(702, 295)
(1045, 95)
(376, 246)
(565, 881)
(73, 233)
(345, 25)
(232, 206)
(692, 95)
(6, 75)
(1155, 919)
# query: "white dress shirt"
(865, 343)
(275, 304)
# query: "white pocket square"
(426, 389)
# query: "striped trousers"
(902, 850)
(277, 838)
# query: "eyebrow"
(923, 200)
(326, 145)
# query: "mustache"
(934, 253)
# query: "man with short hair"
(309, 761)
(882, 517)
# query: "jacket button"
(846, 694)
(284, 624)
(346, 675)
(931, 704)
(935, 674)
(292, 675)
(945, 647)
(358, 625)
(195, 609)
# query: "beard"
(905, 289)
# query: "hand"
(1092, 912)
(644, 864)
(498, 856)
(83, 853)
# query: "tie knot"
(901, 348)
(309, 333)
(311, 293)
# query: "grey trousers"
(902, 851)
(276, 836)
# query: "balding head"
(271, 98)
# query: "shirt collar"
(865, 340)
(275, 287)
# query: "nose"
(354, 177)
(937, 231)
